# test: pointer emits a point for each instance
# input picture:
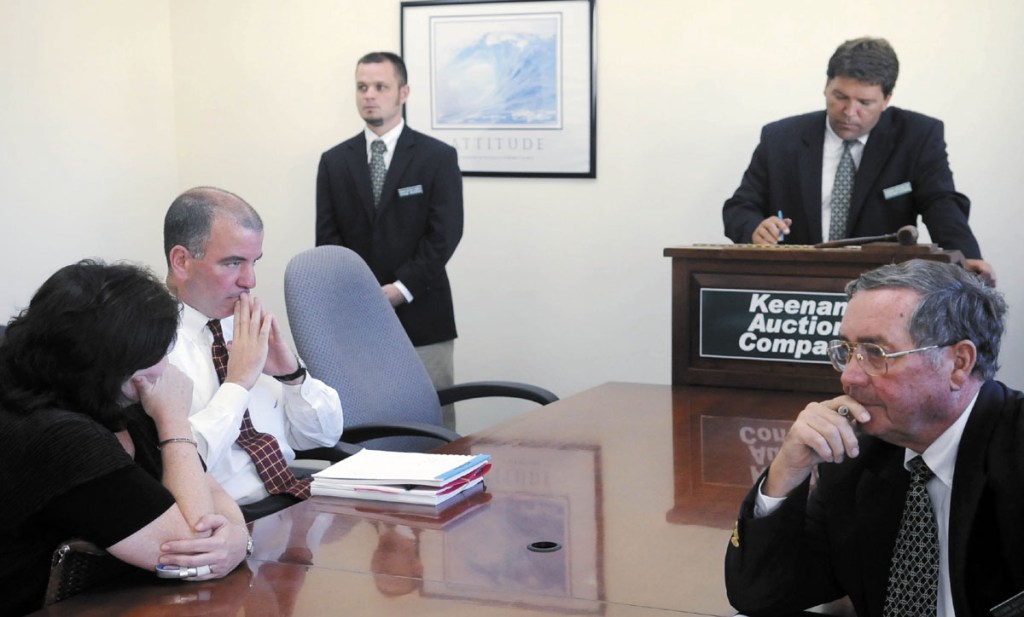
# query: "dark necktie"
(262, 448)
(842, 192)
(377, 168)
(914, 574)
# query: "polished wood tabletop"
(616, 501)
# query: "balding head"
(189, 219)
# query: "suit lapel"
(361, 173)
(809, 172)
(400, 159)
(969, 480)
(880, 145)
(880, 496)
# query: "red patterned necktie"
(262, 448)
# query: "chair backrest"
(79, 565)
(349, 337)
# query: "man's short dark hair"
(955, 305)
(872, 61)
(375, 57)
(190, 217)
(87, 329)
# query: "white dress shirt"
(302, 416)
(831, 154)
(390, 140)
(941, 459)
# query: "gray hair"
(191, 215)
(955, 305)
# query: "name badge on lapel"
(897, 190)
(410, 190)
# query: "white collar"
(390, 138)
(833, 141)
(940, 456)
(193, 325)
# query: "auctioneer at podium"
(860, 167)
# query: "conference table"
(617, 501)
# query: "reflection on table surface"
(321, 593)
(637, 484)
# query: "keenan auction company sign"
(784, 326)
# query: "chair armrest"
(334, 453)
(366, 432)
(483, 389)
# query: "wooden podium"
(774, 280)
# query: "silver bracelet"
(177, 440)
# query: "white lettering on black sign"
(769, 325)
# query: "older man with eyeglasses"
(906, 493)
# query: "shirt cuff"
(765, 505)
(405, 290)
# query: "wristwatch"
(248, 545)
(299, 372)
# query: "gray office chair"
(349, 336)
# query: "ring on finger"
(844, 411)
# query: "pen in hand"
(782, 236)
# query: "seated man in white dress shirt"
(212, 240)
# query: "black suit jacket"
(839, 541)
(411, 235)
(785, 174)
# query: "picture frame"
(510, 84)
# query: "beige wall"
(109, 108)
(87, 152)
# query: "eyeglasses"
(872, 359)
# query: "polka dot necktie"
(262, 448)
(377, 168)
(842, 191)
(914, 573)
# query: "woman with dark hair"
(95, 440)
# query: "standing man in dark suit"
(898, 167)
(918, 350)
(407, 225)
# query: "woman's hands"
(222, 548)
(167, 399)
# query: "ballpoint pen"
(781, 235)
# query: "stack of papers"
(403, 477)
(464, 505)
